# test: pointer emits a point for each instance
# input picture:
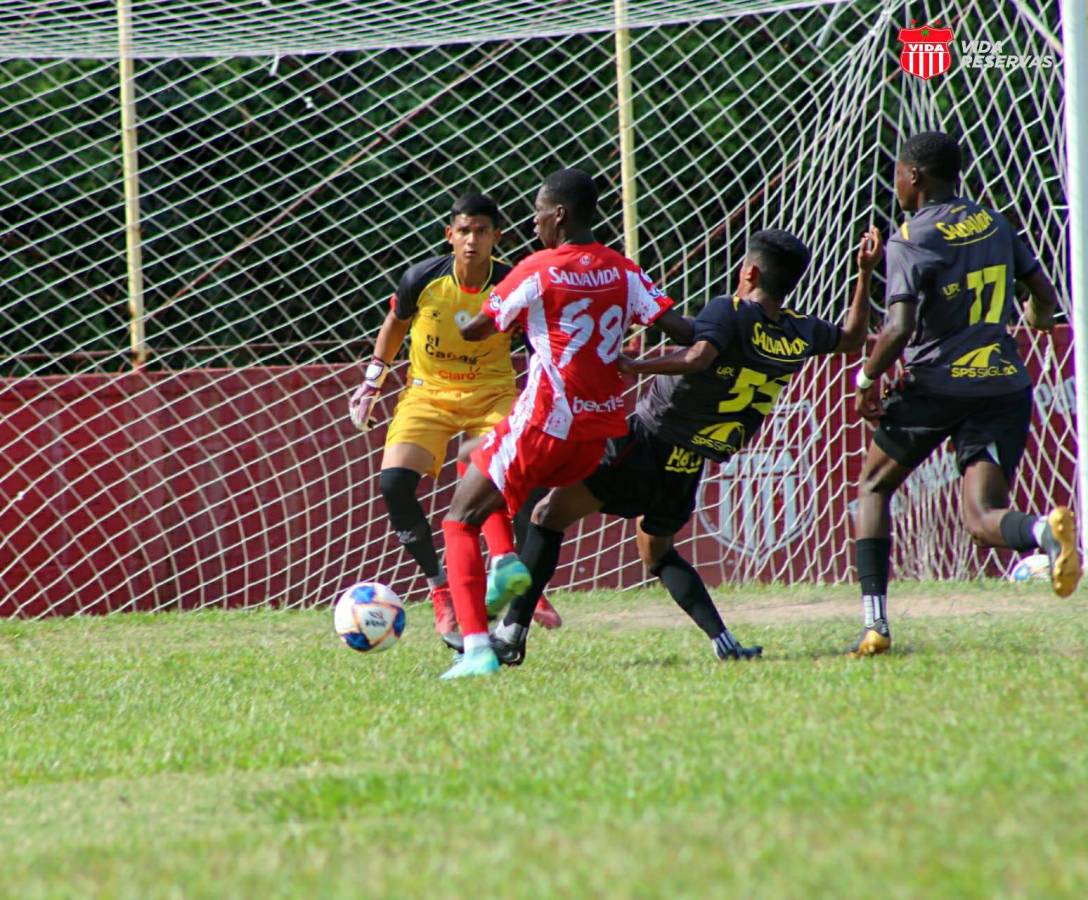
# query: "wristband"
(376, 371)
(863, 381)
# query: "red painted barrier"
(242, 487)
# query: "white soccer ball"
(1029, 568)
(369, 616)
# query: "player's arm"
(677, 328)
(856, 327)
(506, 305)
(1043, 303)
(696, 358)
(386, 347)
(899, 325)
(478, 327)
(390, 337)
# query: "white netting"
(296, 157)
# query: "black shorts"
(917, 422)
(641, 475)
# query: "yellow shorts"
(429, 417)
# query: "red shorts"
(518, 461)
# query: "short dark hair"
(935, 153)
(575, 190)
(476, 205)
(781, 259)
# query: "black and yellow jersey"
(439, 357)
(957, 261)
(715, 412)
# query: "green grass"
(248, 754)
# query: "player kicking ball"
(575, 300)
(454, 386)
(950, 296)
(706, 403)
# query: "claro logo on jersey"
(777, 346)
(610, 405)
(980, 364)
(593, 278)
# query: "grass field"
(249, 754)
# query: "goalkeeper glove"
(362, 403)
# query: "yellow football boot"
(873, 641)
(1059, 541)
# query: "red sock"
(497, 528)
(468, 580)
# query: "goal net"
(295, 156)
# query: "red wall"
(239, 487)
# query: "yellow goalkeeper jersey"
(439, 357)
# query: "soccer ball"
(369, 616)
(1031, 567)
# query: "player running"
(950, 297)
(575, 300)
(707, 402)
(454, 386)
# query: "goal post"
(296, 156)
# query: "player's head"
(474, 227)
(566, 204)
(774, 263)
(929, 165)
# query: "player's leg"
(404, 463)
(688, 590)
(475, 498)
(506, 576)
(545, 615)
(880, 477)
(913, 426)
(555, 513)
(989, 445)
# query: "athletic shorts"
(642, 475)
(917, 422)
(429, 417)
(519, 460)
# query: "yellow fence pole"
(130, 163)
(627, 132)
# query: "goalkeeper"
(454, 386)
(706, 402)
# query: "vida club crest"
(927, 51)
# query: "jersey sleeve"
(716, 323)
(510, 299)
(646, 302)
(1024, 262)
(411, 285)
(906, 271)
(825, 336)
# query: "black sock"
(398, 487)
(524, 516)
(687, 589)
(540, 554)
(872, 560)
(1017, 530)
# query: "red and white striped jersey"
(575, 303)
